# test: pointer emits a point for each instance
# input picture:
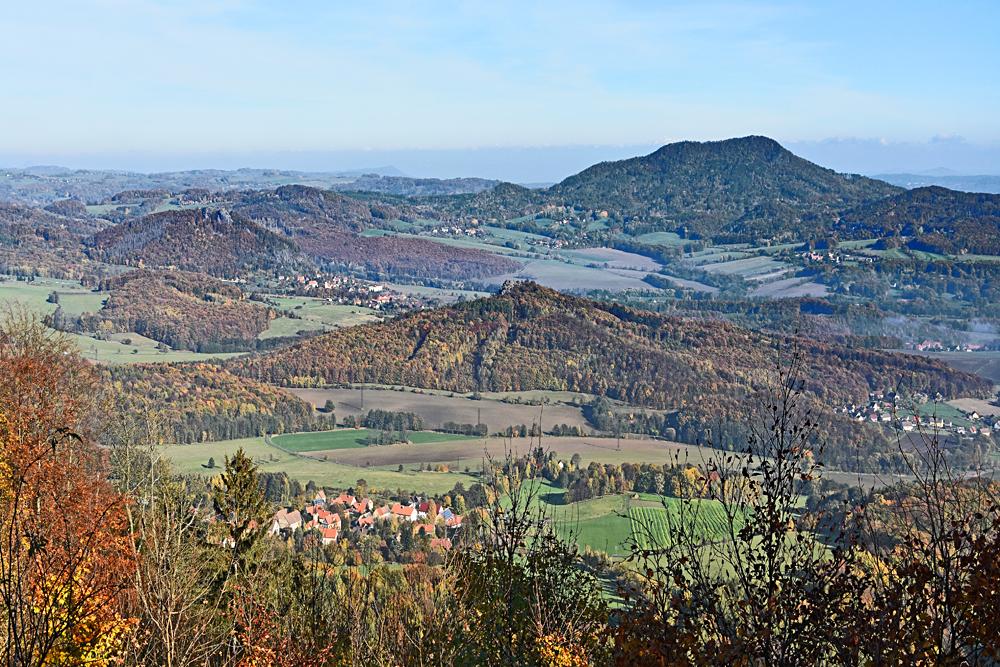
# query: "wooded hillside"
(936, 219)
(530, 337)
(187, 311)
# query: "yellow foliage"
(555, 651)
(97, 635)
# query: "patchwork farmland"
(438, 408)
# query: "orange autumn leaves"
(65, 561)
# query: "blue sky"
(173, 83)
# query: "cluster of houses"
(938, 346)
(344, 290)
(835, 256)
(885, 408)
(547, 242)
(445, 230)
(330, 518)
(821, 256)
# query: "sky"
(527, 91)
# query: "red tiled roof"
(402, 510)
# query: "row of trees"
(388, 420)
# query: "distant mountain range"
(983, 183)
(45, 184)
(748, 189)
(416, 187)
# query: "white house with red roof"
(404, 512)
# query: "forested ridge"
(325, 226)
(43, 242)
(292, 228)
(199, 401)
(211, 241)
(302, 210)
(183, 310)
(529, 337)
(934, 219)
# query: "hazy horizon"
(449, 89)
(532, 164)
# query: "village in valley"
(921, 413)
(344, 519)
(345, 290)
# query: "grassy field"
(571, 277)
(944, 411)
(502, 235)
(745, 267)
(612, 258)
(73, 297)
(192, 459)
(661, 238)
(789, 288)
(287, 326)
(690, 284)
(855, 244)
(314, 315)
(650, 524)
(599, 523)
(350, 438)
(442, 294)
(138, 349)
(610, 522)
